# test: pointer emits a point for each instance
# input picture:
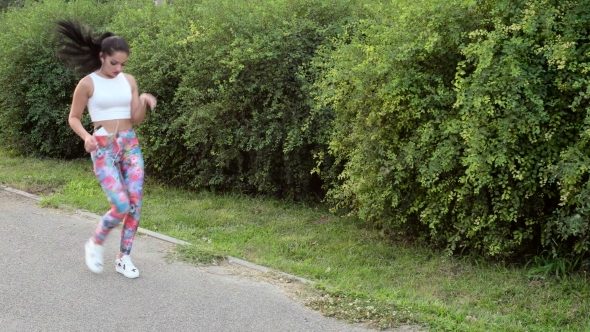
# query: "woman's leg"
(105, 160)
(132, 170)
(107, 171)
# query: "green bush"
(390, 82)
(4, 4)
(232, 79)
(36, 89)
(461, 123)
(524, 110)
(465, 123)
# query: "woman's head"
(114, 53)
(87, 54)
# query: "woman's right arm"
(79, 102)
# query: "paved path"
(45, 285)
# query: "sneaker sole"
(130, 277)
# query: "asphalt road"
(45, 285)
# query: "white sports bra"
(111, 99)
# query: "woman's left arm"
(139, 103)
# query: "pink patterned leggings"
(118, 165)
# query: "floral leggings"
(118, 165)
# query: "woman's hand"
(90, 143)
(146, 98)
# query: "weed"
(547, 265)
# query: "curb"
(230, 259)
(22, 193)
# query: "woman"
(114, 106)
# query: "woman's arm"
(139, 102)
(79, 102)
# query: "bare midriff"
(115, 125)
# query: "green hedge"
(460, 123)
(465, 123)
(232, 79)
(5, 4)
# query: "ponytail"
(81, 51)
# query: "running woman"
(115, 106)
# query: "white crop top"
(111, 99)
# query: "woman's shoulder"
(86, 80)
(130, 79)
(86, 84)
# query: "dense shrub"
(231, 78)
(464, 123)
(36, 89)
(390, 82)
(461, 123)
(231, 75)
(6, 4)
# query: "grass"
(362, 275)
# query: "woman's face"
(114, 64)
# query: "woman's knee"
(122, 208)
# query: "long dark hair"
(81, 50)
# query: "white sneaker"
(126, 267)
(94, 254)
